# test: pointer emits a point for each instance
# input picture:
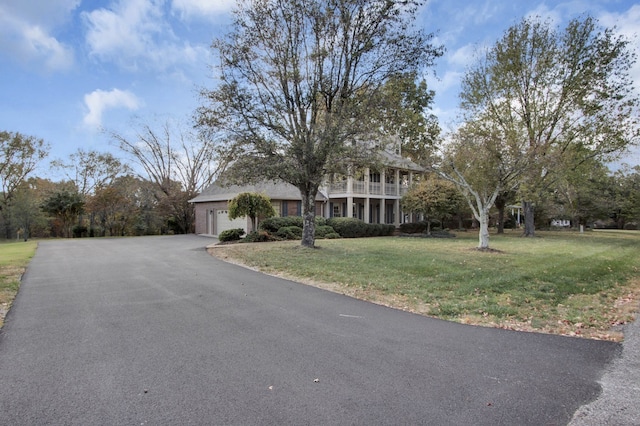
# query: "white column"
(397, 182)
(367, 209)
(396, 212)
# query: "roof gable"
(277, 190)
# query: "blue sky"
(69, 68)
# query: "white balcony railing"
(359, 187)
(339, 187)
(390, 189)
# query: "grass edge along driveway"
(14, 258)
(585, 285)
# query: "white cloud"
(47, 14)
(451, 79)
(124, 34)
(98, 101)
(27, 39)
(466, 55)
(135, 35)
(200, 8)
(545, 14)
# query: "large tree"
(405, 109)
(482, 167)
(179, 163)
(557, 97)
(19, 156)
(91, 169)
(626, 192)
(301, 85)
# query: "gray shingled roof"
(274, 190)
(394, 160)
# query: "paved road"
(155, 331)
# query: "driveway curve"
(153, 330)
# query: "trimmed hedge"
(273, 224)
(231, 234)
(348, 227)
(290, 228)
(323, 230)
(258, 237)
(290, 232)
(413, 228)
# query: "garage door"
(223, 222)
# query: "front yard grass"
(14, 258)
(559, 282)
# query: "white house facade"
(370, 195)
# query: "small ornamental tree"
(251, 204)
(434, 198)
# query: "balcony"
(375, 188)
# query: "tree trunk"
(483, 235)
(501, 202)
(529, 224)
(308, 217)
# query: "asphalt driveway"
(153, 330)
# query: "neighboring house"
(370, 195)
(561, 223)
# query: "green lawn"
(14, 258)
(562, 282)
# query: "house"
(212, 211)
(368, 194)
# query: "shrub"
(413, 228)
(354, 228)
(273, 224)
(380, 230)
(332, 236)
(323, 230)
(347, 227)
(387, 230)
(320, 221)
(79, 231)
(231, 234)
(290, 232)
(258, 237)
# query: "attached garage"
(223, 222)
(212, 205)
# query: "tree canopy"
(19, 156)
(540, 101)
(178, 163)
(300, 87)
(434, 197)
(251, 204)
